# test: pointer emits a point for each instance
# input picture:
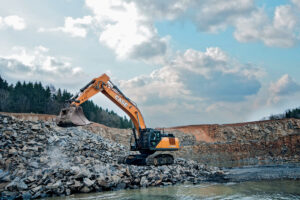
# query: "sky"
(182, 61)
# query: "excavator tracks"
(160, 159)
(142, 159)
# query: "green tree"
(33, 97)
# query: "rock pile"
(39, 159)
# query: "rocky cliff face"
(263, 142)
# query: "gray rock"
(68, 192)
(83, 173)
(75, 169)
(75, 185)
(36, 195)
(88, 182)
(36, 189)
(21, 185)
(106, 183)
(12, 151)
(30, 179)
(35, 127)
(144, 182)
(5, 121)
(60, 190)
(85, 189)
(12, 185)
(34, 164)
(115, 179)
(26, 195)
(55, 185)
(9, 195)
(166, 183)
(3, 174)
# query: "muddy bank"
(39, 159)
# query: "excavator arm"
(104, 85)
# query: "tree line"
(35, 98)
(291, 113)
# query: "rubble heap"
(39, 159)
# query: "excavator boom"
(73, 115)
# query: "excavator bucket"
(72, 116)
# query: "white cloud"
(250, 22)
(75, 27)
(280, 32)
(285, 18)
(208, 15)
(126, 30)
(273, 98)
(128, 26)
(162, 10)
(296, 2)
(36, 65)
(122, 26)
(13, 21)
(284, 86)
(192, 83)
(214, 15)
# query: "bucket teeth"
(72, 116)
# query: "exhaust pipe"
(72, 116)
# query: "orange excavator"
(145, 140)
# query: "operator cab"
(149, 140)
